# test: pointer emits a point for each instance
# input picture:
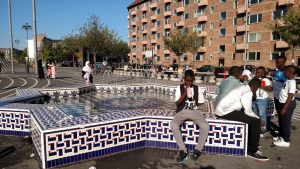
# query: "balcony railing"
(180, 24)
(133, 13)
(240, 46)
(144, 32)
(144, 20)
(167, 26)
(167, 13)
(144, 42)
(154, 5)
(281, 44)
(154, 29)
(286, 2)
(202, 18)
(167, 52)
(144, 9)
(202, 34)
(202, 49)
(203, 3)
(133, 23)
(153, 17)
(242, 28)
(180, 9)
(242, 10)
(167, 1)
(153, 41)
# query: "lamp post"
(26, 27)
(11, 38)
(17, 41)
(35, 35)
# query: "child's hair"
(291, 68)
(235, 70)
(281, 57)
(254, 82)
(262, 68)
(189, 73)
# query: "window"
(144, 48)
(185, 16)
(166, 57)
(174, 12)
(211, 9)
(143, 26)
(167, 7)
(254, 37)
(167, 20)
(222, 15)
(167, 33)
(254, 56)
(199, 12)
(144, 37)
(157, 11)
(211, 25)
(174, 26)
(198, 57)
(144, 15)
(210, 58)
(234, 21)
(275, 36)
(235, 4)
(255, 18)
(199, 27)
(233, 40)
(185, 2)
(233, 56)
(157, 35)
(251, 2)
(210, 41)
(279, 13)
(185, 30)
(222, 1)
(157, 58)
(275, 54)
(222, 49)
(157, 23)
(183, 58)
(222, 32)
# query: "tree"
(71, 44)
(180, 42)
(289, 29)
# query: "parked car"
(205, 68)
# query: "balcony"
(154, 5)
(202, 34)
(242, 10)
(168, 13)
(180, 24)
(144, 32)
(242, 28)
(133, 23)
(180, 9)
(153, 41)
(240, 46)
(281, 44)
(144, 42)
(128, 17)
(133, 43)
(167, 52)
(202, 18)
(202, 49)
(154, 29)
(153, 18)
(167, 26)
(167, 1)
(133, 53)
(203, 3)
(128, 26)
(144, 9)
(144, 20)
(133, 33)
(133, 13)
(286, 2)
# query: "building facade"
(235, 32)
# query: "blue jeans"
(259, 107)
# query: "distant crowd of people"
(241, 98)
(51, 69)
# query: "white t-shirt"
(200, 94)
(288, 87)
(261, 93)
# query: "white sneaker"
(281, 143)
(275, 139)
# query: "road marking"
(11, 83)
(36, 82)
(25, 82)
(7, 91)
(48, 83)
(9, 95)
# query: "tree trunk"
(94, 57)
(293, 54)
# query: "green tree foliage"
(180, 42)
(289, 28)
(53, 52)
(71, 45)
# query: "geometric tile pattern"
(14, 121)
(225, 137)
(36, 137)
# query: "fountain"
(92, 121)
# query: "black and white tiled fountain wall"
(62, 139)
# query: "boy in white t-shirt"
(260, 104)
(287, 106)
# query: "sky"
(58, 18)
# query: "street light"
(17, 41)
(11, 37)
(27, 27)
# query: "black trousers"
(278, 108)
(253, 127)
(285, 120)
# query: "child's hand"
(282, 112)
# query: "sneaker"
(196, 154)
(182, 156)
(275, 139)
(263, 132)
(258, 156)
(281, 143)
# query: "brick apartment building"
(221, 22)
